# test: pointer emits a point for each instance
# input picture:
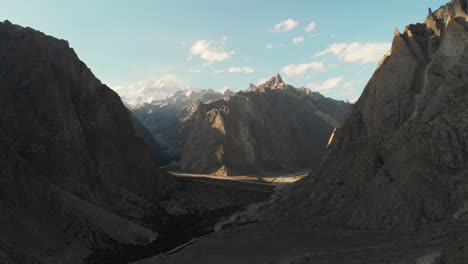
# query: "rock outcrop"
(400, 158)
(271, 127)
(170, 120)
(74, 176)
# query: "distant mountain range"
(78, 184)
(274, 126)
(393, 185)
(170, 120)
(275, 105)
(153, 91)
(79, 181)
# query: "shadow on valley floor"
(176, 231)
(223, 198)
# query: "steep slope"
(271, 127)
(73, 174)
(170, 120)
(400, 158)
(156, 149)
(396, 165)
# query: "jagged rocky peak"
(271, 127)
(170, 119)
(275, 82)
(400, 159)
(422, 40)
(439, 19)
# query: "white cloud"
(327, 85)
(338, 85)
(219, 71)
(300, 69)
(269, 46)
(310, 27)
(150, 90)
(246, 70)
(195, 70)
(211, 51)
(350, 87)
(286, 25)
(352, 84)
(297, 40)
(357, 52)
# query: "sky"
(329, 46)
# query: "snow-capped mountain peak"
(151, 91)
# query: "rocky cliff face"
(170, 120)
(400, 158)
(271, 127)
(73, 173)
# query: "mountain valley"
(272, 174)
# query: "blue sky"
(220, 44)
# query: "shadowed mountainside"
(78, 184)
(74, 175)
(400, 158)
(393, 187)
(170, 120)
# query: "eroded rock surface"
(170, 120)
(73, 174)
(393, 187)
(400, 158)
(271, 127)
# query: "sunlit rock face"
(271, 127)
(73, 174)
(170, 120)
(400, 158)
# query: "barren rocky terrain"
(271, 127)
(80, 181)
(392, 187)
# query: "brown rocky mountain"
(170, 120)
(78, 184)
(271, 127)
(73, 174)
(393, 187)
(400, 158)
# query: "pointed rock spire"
(275, 82)
(278, 78)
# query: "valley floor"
(282, 243)
(264, 177)
(289, 243)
